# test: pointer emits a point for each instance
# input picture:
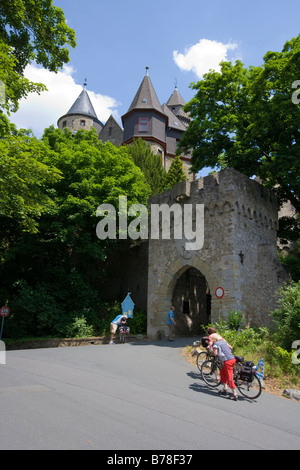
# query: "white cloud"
(203, 56)
(37, 112)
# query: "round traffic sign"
(4, 311)
(219, 292)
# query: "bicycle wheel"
(249, 390)
(210, 371)
(201, 357)
(122, 338)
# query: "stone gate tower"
(239, 255)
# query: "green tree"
(23, 177)
(176, 173)
(37, 31)
(30, 31)
(150, 164)
(287, 316)
(245, 118)
(14, 85)
(51, 278)
(291, 261)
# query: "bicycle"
(247, 383)
(124, 331)
(202, 356)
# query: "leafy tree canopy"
(37, 31)
(51, 278)
(93, 172)
(23, 176)
(245, 118)
(14, 86)
(30, 31)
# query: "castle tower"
(175, 103)
(146, 119)
(81, 115)
(235, 261)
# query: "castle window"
(82, 122)
(143, 124)
(64, 124)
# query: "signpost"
(260, 369)
(4, 312)
(127, 306)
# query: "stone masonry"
(239, 255)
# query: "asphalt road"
(138, 396)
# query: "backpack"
(247, 371)
(204, 341)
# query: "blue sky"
(178, 40)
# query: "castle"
(162, 126)
(236, 267)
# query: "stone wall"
(239, 251)
(75, 122)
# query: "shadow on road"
(202, 387)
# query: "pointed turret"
(83, 105)
(145, 97)
(145, 118)
(175, 103)
(175, 99)
(81, 115)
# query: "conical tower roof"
(175, 103)
(83, 105)
(175, 99)
(145, 97)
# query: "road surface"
(136, 396)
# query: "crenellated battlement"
(239, 253)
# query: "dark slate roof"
(83, 105)
(173, 120)
(145, 97)
(175, 99)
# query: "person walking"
(171, 323)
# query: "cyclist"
(118, 321)
(213, 336)
(222, 350)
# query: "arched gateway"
(238, 255)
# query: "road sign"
(4, 312)
(260, 368)
(128, 306)
(219, 292)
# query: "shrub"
(235, 320)
(79, 328)
(287, 316)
